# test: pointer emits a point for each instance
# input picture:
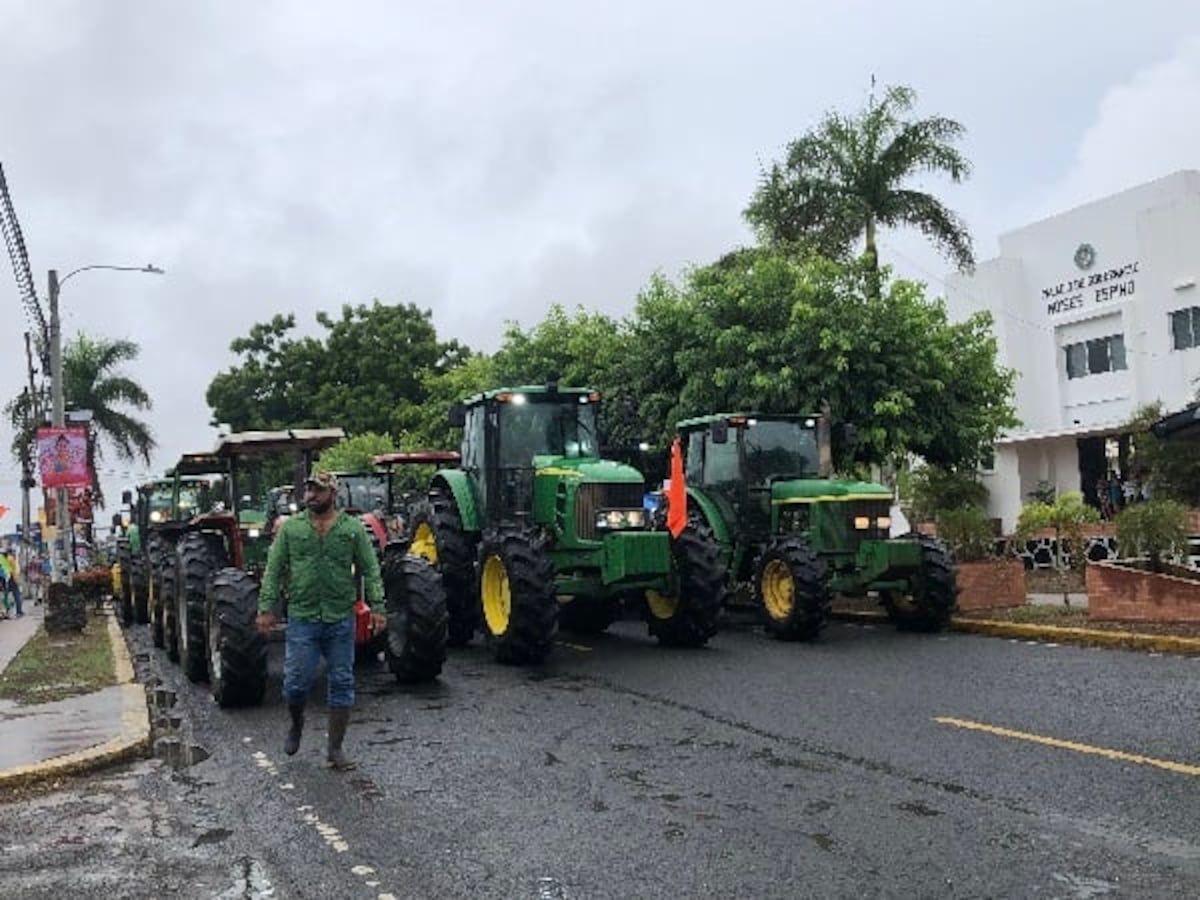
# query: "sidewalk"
(78, 734)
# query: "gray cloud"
(484, 160)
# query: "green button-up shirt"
(321, 571)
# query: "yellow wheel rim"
(661, 606)
(423, 543)
(778, 590)
(497, 596)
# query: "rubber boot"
(292, 742)
(339, 718)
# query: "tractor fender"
(376, 529)
(456, 483)
(710, 514)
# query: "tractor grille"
(592, 497)
(872, 509)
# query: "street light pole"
(62, 563)
(61, 572)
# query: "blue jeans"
(16, 592)
(306, 643)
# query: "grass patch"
(53, 668)
(1046, 615)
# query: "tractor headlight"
(862, 523)
(883, 523)
(156, 516)
(620, 519)
(253, 533)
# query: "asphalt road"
(870, 764)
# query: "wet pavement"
(76, 733)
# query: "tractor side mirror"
(719, 432)
(126, 498)
(458, 416)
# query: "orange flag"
(3, 510)
(677, 493)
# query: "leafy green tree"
(365, 373)
(936, 489)
(1066, 516)
(93, 379)
(763, 331)
(1157, 530)
(354, 454)
(850, 175)
(427, 425)
(1172, 468)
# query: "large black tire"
(437, 535)
(197, 556)
(418, 620)
(588, 615)
(125, 600)
(154, 592)
(790, 588)
(687, 615)
(237, 651)
(139, 587)
(933, 596)
(517, 596)
(166, 601)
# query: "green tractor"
(157, 518)
(534, 528)
(793, 535)
(220, 557)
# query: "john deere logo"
(1085, 255)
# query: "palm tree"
(91, 380)
(845, 178)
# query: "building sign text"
(1098, 287)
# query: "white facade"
(1091, 309)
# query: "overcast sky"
(487, 159)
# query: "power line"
(14, 240)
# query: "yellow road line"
(1119, 755)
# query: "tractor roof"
(259, 444)
(413, 457)
(196, 464)
(531, 390)
(1181, 426)
(738, 418)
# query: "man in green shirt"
(320, 553)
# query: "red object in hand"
(677, 493)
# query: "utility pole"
(62, 515)
(32, 410)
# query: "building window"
(1106, 354)
(1185, 327)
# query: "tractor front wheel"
(437, 536)
(933, 592)
(237, 651)
(517, 596)
(197, 557)
(417, 617)
(789, 585)
(688, 612)
(139, 589)
(125, 561)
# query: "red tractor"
(220, 560)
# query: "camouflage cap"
(322, 480)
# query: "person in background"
(4, 582)
(318, 553)
(14, 579)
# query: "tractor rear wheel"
(125, 561)
(789, 585)
(237, 652)
(140, 590)
(197, 556)
(933, 593)
(417, 617)
(154, 593)
(167, 603)
(517, 596)
(438, 536)
(686, 615)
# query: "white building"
(1098, 311)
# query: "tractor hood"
(806, 490)
(587, 469)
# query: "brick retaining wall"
(1122, 594)
(991, 583)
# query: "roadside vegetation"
(65, 665)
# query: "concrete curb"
(133, 741)
(1088, 637)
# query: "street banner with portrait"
(63, 457)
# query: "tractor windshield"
(781, 447)
(365, 492)
(546, 428)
